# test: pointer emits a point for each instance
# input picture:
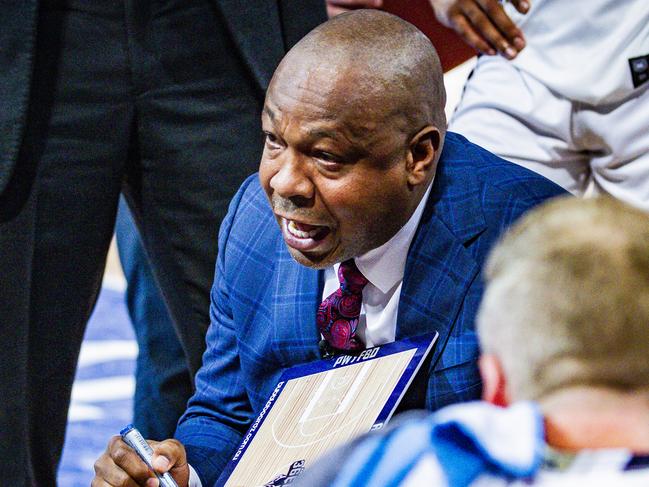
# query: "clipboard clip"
(326, 350)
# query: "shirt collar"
(384, 266)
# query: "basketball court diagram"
(315, 412)
(338, 404)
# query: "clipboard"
(319, 405)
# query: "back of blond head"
(567, 299)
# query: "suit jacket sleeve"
(219, 412)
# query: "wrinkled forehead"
(338, 90)
(302, 82)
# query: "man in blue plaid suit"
(357, 166)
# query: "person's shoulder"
(249, 208)
(252, 199)
(252, 223)
(383, 452)
(452, 446)
(499, 177)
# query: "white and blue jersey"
(474, 445)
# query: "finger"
(107, 473)
(442, 12)
(173, 450)
(483, 25)
(471, 36)
(333, 11)
(354, 4)
(523, 6)
(170, 456)
(127, 463)
(499, 18)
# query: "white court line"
(314, 400)
(98, 351)
(114, 282)
(107, 389)
(84, 412)
(342, 406)
(278, 426)
(351, 394)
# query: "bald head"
(392, 66)
(354, 124)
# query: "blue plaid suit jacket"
(264, 303)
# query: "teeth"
(292, 227)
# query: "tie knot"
(351, 279)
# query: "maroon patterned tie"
(337, 316)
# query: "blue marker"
(134, 439)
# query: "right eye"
(271, 140)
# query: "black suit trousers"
(147, 96)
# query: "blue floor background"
(102, 395)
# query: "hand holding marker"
(134, 439)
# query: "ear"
(422, 155)
(494, 382)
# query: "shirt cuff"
(194, 479)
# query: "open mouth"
(304, 236)
(304, 230)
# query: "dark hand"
(335, 7)
(120, 466)
(483, 24)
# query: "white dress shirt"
(383, 267)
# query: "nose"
(292, 181)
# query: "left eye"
(271, 139)
(327, 157)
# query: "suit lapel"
(439, 268)
(297, 294)
(256, 29)
(438, 273)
